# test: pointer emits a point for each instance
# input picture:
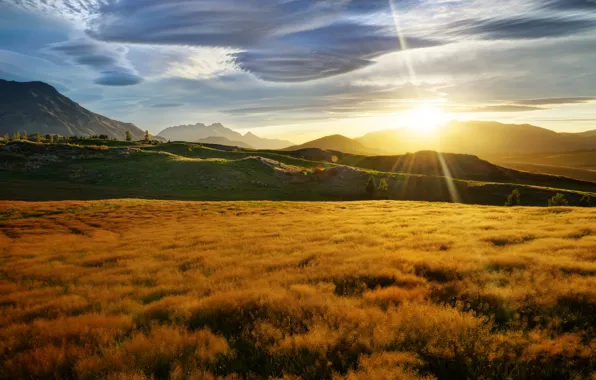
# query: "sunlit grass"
(372, 290)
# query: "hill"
(39, 107)
(134, 289)
(38, 171)
(220, 140)
(337, 143)
(479, 138)
(199, 131)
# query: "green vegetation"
(128, 136)
(371, 186)
(514, 199)
(587, 201)
(383, 188)
(97, 169)
(132, 289)
(558, 200)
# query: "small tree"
(371, 186)
(586, 201)
(513, 199)
(37, 137)
(128, 136)
(558, 200)
(383, 188)
(6, 137)
(25, 136)
(51, 138)
(16, 136)
(147, 136)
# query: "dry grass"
(385, 290)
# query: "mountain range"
(484, 138)
(218, 134)
(38, 107)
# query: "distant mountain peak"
(218, 132)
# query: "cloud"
(523, 27)
(502, 108)
(167, 105)
(108, 59)
(556, 101)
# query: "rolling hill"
(38, 107)
(220, 140)
(38, 171)
(199, 131)
(337, 143)
(486, 139)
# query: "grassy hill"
(31, 171)
(132, 289)
(337, 143)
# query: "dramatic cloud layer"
(281, 62)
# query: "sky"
(300, 69)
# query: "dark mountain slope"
(39, 107)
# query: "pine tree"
(514, 199)
(25, 136)
(371, 186)
(128, 136)
(147, 136)
(6, 137)
(16, 136)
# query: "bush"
(558, 200)
(586, 201)
(128, 136)
(371, 186)
(383, 188)
(514, 199)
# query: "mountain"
(337, 143)
(219, 140)
(480, 138)
(201, 131)
(39, 107)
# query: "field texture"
(132, 289)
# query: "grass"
(134, 289)
(185, 171)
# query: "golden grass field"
(131, 289)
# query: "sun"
(426, 118)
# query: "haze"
(301, 69)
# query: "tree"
(147, 136)
(383, 188)
(37, 137)
(513, 199)
(25, 136)
(16, 135)
(128, 136)
(558, 200)
(6, 137)
(52, 138)
(586, 201)
(371, 186)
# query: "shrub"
(128, 136)
(558, 200)
(586, 201)
(371, 186)
(383, 187)
(514, 199)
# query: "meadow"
(137, 289)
